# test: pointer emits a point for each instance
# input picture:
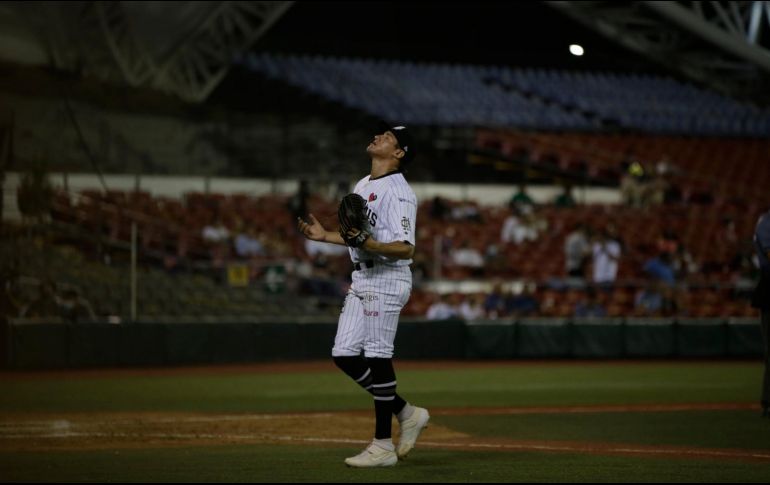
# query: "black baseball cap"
(403, 137)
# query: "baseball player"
(761, 300)
(381, 251)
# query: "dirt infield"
(97, 431)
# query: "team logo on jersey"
(372, 216)
(372, 197)
(406, 225)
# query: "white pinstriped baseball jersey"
(392, 210)
(369, 316)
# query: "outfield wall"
(59, 345)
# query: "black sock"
(357, 368)
(384, 392)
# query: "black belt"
(363, 264)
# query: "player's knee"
(357, 369)
(351, 365)
(382, 369)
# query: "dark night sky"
(524, 34)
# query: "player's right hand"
(312, 230)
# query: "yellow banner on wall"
(238, 275)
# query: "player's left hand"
(355, 238)
(353, 222)
(352, 233)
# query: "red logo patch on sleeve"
(372, 197)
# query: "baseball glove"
(354, 224)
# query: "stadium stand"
(696, 164)
(710, 155)
(170, 238)
(465, 95)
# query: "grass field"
(491, 421)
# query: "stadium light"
(576, 50)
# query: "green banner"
(650, 337)
(490, 339)
(544, 337)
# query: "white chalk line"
(432, 444)
(641, 408)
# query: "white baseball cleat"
(410, 430)
(372, 456)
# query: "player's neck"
(382, 166)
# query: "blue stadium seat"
(494, 95)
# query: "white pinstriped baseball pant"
(369, 316)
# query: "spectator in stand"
(655, 191)
(666, 178)
(513, 230)
(320, 252)
(248, 244)
(277, 246)
(493, 258)
(494, 304)
(216, 238)
(467, 256)
(684, 264)
(577, 250)
(606, 257)
(447, 243)
(472, 308)
(590, 307)
(674, 265)
(535, 221)
(565, 199)
(522, 304)
(665, 167)
(322, 279)
(441, 309)
(466, 211)
(521, 198)
(522, 225)
(659, 268)
(549, 302)
(649, 300)
(216, 232)
(632, 185)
